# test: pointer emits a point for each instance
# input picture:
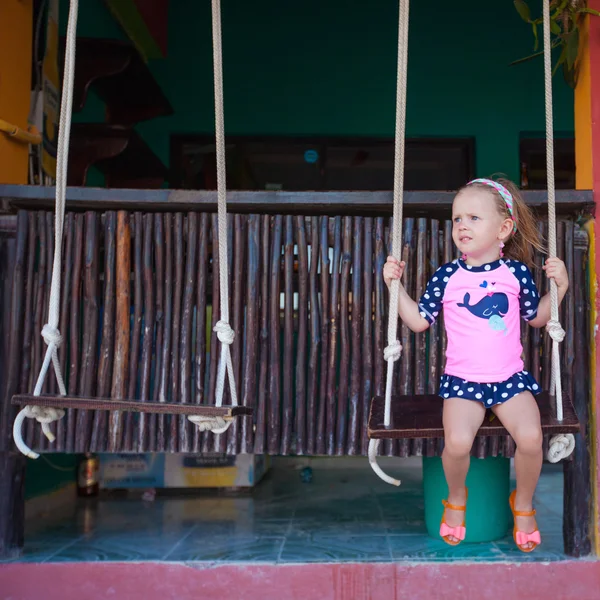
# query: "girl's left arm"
(556, 270)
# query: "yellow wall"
(583, 117)
(16, 24)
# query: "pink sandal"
(521, 538)
(459, 531)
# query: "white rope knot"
(393, 351)
(51, 335)
(42, 414)
(224, 332)
(555, 331)
(213, 424)
(561, 446)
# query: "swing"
(421, 416)
(47, 409)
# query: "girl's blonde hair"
(521, 243)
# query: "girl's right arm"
(408, 309)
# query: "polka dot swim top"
(482, 306)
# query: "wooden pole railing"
(308, 307)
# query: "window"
(302, 164)
(532, 154)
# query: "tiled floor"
(343, 515)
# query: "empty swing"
(47, 409)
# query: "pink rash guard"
(482, 309)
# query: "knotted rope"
(393, 351)
(50, 331)
(561, 445)
(224, 331)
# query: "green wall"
(328, 67)
(49, 473)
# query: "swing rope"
(224, 331)
(393, 351)
(50, 332)
(561, 445)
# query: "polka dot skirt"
(488, 393)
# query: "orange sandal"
(459, 531)
(521, 538)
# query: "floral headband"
(506, 195)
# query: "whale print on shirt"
(492, 307)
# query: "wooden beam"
(429, 204)
(578, 486)
(163, 408)
(590, 51)
(12, 464)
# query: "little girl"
(482, 294)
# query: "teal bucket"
(488, 514)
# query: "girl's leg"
(462, 419)
(521, 417)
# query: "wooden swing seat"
(421, 417)
(172, 408)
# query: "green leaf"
(525, 59)
(555, 28)
(570, 76)
(572, 47)
(562, 58)
(560, 8)
(523, 10)
(589, 11)
(536, 45)
(555, 43)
